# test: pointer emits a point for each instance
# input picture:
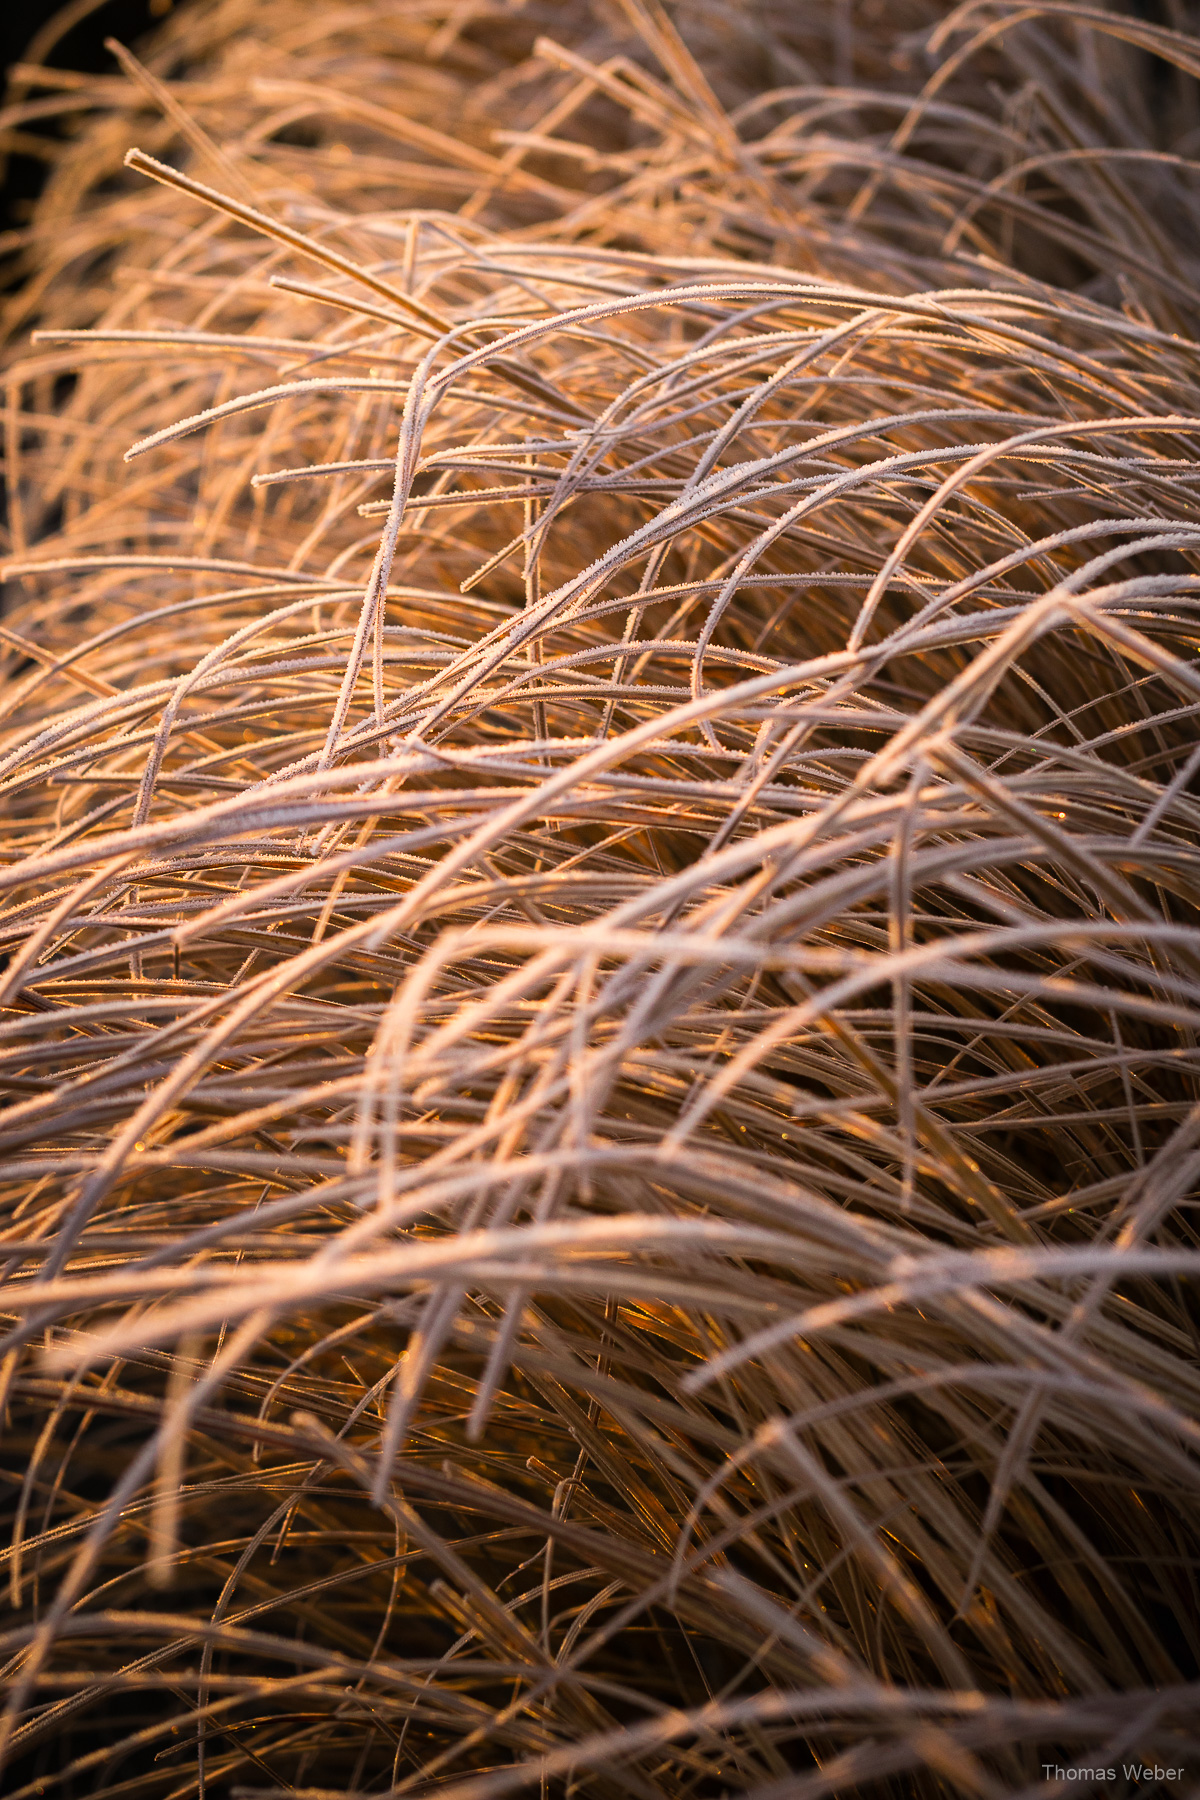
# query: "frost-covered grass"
(601, 859)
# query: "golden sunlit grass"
(600, 887)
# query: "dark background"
(83, 47)
(80, 48)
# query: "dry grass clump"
(600, 900)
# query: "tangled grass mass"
(601, 1126)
